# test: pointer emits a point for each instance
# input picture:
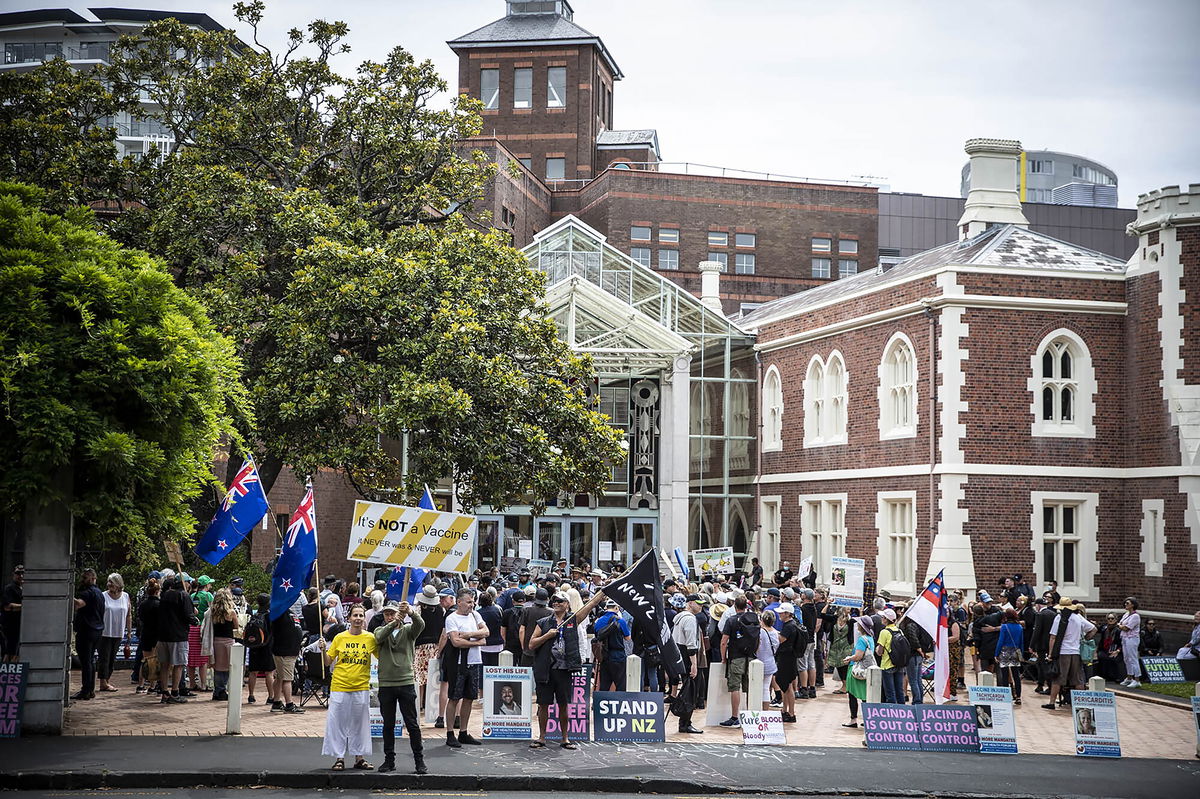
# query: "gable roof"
(523, 30)
(1006, 246)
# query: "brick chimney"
(992, 198)
(710, 285)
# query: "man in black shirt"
(174, 618)
(285, 648)
(784, 575)
(793, 640)
(510, 625)
(807, 659)
(532, 615)
(989, 632)
(10, 616)
(89, 624)
(1039, 642)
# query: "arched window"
(1063, 384)
(772, 411)
(814, 402)
(825, 401)
(898, 389)
(835, 382)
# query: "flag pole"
(317, 572)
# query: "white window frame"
(895, 577)
(745, 263)
(668, 235)
(1154, 538)
(722, 258)
(825, 411)
(556, 98)
(828, 267)
(671, 265)
(770, 514)
(1086, 527)
(822, 244)
(823, 529)
(493, 102)
(633, 233)
(892, 392)
(1082, 382)
(518, 73)
(648, 261)
(847, 267)
(772, 410)
(717, 238)
(848, 246)
(747, 240)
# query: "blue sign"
(629, 716)
(929, 728)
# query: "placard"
(540, 568)
(525, 549)
(13, 678)
(375, 714)
(1095, 716)
(762, 727)
(578, 715)
(1196, 718)
(629, 716)
(511, 565)
(426, 539)
(846, 582)
(718, 560)
(994, 719)
(508, 702)
(929, 728)
(1162, 669)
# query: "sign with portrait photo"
(846, 582)
(994, 719)
(507, 702)
(1095, 717)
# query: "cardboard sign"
(930, 728)
(629, 716)
(578, 715)
(1163, 669)
(718, 560)
(508, 702)
(540, 568)
(426, 539)
(374, 713)
(994, 719)
(762, 727)
(1095, 717)
(846, 582)
(174, 554)
(13, 677)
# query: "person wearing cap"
(557, 647)
(397, 683)
(1066, 633)
(286, 641)
(348, 719)
(686, 635)
(793, 640)
(739, 643)
(893, 673)
(988, 632)
(613, 636)
(10, 616)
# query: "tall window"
(821, 267)
(556, 168)
(847, 267)
(897, 523)
(523, 87)
(1064, 386)
(772, 410)
(641, 255)
(1064, 541)
(744, 263)
(898, 390)
(825, 401)
(770, 514)
(823, 530)
(668, 259)
(1060, 542)
(556, 87)
(489, 87)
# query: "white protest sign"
(762, 727)
(846, 582)
(994, 718)
(416, 537)
(718, 560)
(1095, 717)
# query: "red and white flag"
(931, 611)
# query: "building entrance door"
(548, 539)
(582, 544)
(488, 538)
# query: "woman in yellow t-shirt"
(348, 722)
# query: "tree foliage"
(108, 371)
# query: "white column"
(233, 710)
(506, 658)
(987, 678)
(875, 685)
(633, 673)
(674, 424)
(754, 695)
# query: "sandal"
(339, 765)
(568, 745)
(362, 765)
(538, 745)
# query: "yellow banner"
(426, 539)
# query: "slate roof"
(526, 28)
(629, 138)
(1007, 246)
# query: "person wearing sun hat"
(1066, 633)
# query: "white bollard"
(633, 673)
(1097, 684)
(717, 706)
(506, 658)
(875, 685)
(754, 695)
(233, 711)
(987, 678)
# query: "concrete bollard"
(506, 658)
(875, 685)
(1097, 684)
(233, 711)
(717, 706)
(754, 697)
(987, 678)
(633, 672)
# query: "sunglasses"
(557, 601)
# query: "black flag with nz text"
(639, 592)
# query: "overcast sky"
(838, 89)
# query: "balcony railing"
(40, 52)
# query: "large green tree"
(108, 373)
(327, 224)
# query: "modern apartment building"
(1049, 176)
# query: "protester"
(806, 675)
(893, 654)
(118, 624)
(557, 647)
(768, 643)
(147, 612)
(859, 662)
(841, 645)
(920, 645)
(1065, 634)
(395, 650)
(462, 665)
(793, 640)
(1152, 643)
(493, 618)
(285, 649)
(10, 616)
(89, 626)
(510, 624)
(377, 598)
(612, 634)
(741, 629)
(433, 618)
(1108, 650)
(222, 618)
(755, 575)
(686, 635)
(988, 631)
(348, 721)
(784, 575)
(257, 638)
(1010, 645)
(1131, 638)
(174, 618)
(1191, 650)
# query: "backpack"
(744, 635)
(613, 640)
(900, 650)
(255, 635)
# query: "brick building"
(1004, 403)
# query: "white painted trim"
(954, 331)
(768, 550)
(770, 442)
(982, 469)
(1154, 561)
(884, 394)
(826, 535)
(1087, 526)
(896, 584)
(1083, 425)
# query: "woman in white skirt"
(348, 722)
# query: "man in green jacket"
(396, 683)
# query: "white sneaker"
(1134, 684)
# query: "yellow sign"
(426, 539)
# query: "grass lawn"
(1184, 690)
